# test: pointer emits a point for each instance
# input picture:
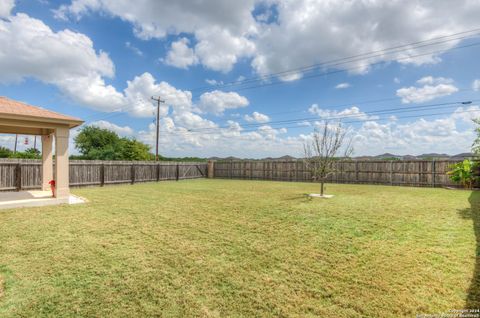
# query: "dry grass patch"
(224, 248)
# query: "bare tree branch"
(320, 153)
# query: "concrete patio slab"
(11, 200)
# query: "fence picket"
(94, 172)
(388, 172)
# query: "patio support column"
(47, 161)
(61, 163)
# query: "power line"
(349, 59)
(371, 101)
(315, 119)
(400, 109)
(380, 111)
(360, 121)
(354, 68)
(313, 75)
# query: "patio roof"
(15, 110)
(20, 118)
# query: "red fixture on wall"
(52, 186)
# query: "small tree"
(321, 152)
(95, 143)
(133, 149)
(463, 173)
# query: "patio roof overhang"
(20, 118)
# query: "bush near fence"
(388, 172)
(25, 174)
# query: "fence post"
(337, 164)
(420, 170)
(296, 171)
(433, 173)
(18, 177)
(158, 172)
(356, 172)
(391, 172)
(133, 173)
(178, 172)
(210, 169)
(102, 175)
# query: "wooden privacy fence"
(27, 174)
(391, 172)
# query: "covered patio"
(20, 118)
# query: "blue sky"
(102, 60)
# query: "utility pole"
(159, 101)
(15, 147)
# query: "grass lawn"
(224, 248)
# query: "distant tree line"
(30, 153)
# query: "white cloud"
(396, 80)
(6, 7)
(66, 59)
(222, 29)
(449, 134)
(213, 82)
(466, 114)
(120, 130)
(257, 117)
(220, 50)
(226, 31)
(442, 87)
(430, 80)
(352, 113)
(181, 55)
(139, 91)
(133, 48)
(350, 28)
(476, 85)
(342, 85)
(216, 102)
(270, 133)
(192, 121)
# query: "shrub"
(463, 173)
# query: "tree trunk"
(321, 188)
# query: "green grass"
(224, 248)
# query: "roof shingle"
(12, 107)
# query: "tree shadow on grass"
(473, 213)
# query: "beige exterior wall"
(47, 161)
(61, 162)
(48, 130)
